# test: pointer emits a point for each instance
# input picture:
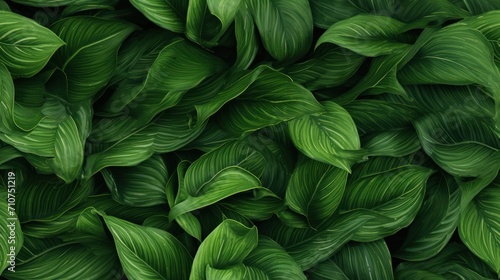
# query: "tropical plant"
(250, 139)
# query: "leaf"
(89, 56)
(227, 182)
(454, 261)
(25, 46)
(480, 224)
(4, 6)
(330, 137)
(11, 233)
(39, 206)
(235, 272)
(477, 7)
(259, 205)
(329, 68)
(263, 104)
(371, 260)
(327, 270)
(367, 35)
(394, 143)
(285, 27)
(147, 252)
(377, 115)
(429, 233)
(315, 190)
(394, 196)
(61, 260)
(170, 15)
(166, 133)
(246, 39)
(273, 260)
(207, 29)
(141, 185)
(228, 245)
(310, 247)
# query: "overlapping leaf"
(170, 15)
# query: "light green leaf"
(315, 190)
(285, 27)
(170, 14)
(235, 272)
(479, 225)
(141, 185)
(89, 58)
(330, 137)
(367, 35)
(263, 104)
(394, 196)
(25, 46)
(227, 182)
(228, 245)
(371, 260)
(436, 221)
(273, 260)
(148, 253)
(11, 233)
(329, 67)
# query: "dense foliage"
(250, 139)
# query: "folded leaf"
(228, 245)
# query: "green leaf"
(479, 225)
(477, 7)
(330, 137)
(367, 35)
(247, 44)
(328, 68)
(228, 245)
(61, 260)
(258, 205)
(148, 253)
(371, 260)
(170, 131)
(227, 182)
(25, 46)
(310, 247)
(235, 272)
(89, 58)
(377, 115)
(394, 196)
(285, 27)
(208, 20)
(4, 6)
(315, 190)
(436, 221)
(263, 104)
(327, 270)
(141, 185)
(39, 206)
(273, 260)
(11, 233)
(394, 143)
(170, 15)
(453, 262)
